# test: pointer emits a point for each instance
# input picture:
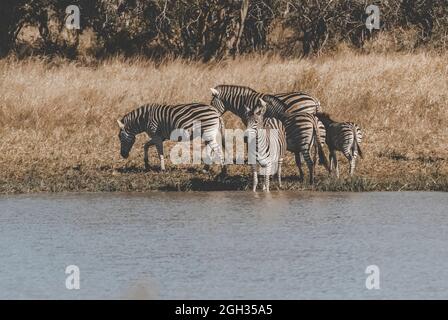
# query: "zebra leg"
(208, 152)
(145, 153)
(279, 172)
(299, 165)
(159, 146)
(255, 178)
(267, 178)
(316, 151)
(332, 160)
(310, 164)
(223, 140)
(216, 149)
(336, 165)
(352, 166)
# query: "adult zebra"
(236, 99)
(270, 144)
(239, 99)
(159, 121)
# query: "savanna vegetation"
(61, 91)
(59, 133)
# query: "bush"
(212, 29)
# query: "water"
(223, 245)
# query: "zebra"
(159, 121)
(270, 145)
(306, 131)
(239, 99)
(345, 137)
(299, 102)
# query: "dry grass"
(58, 130)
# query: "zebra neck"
(221, 110)
(262, 137)
(242, 102)
(136, 121)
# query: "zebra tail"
(359, 150)
(322, 156)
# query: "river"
(225, 245)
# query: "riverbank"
(58, 120)
(136, 178)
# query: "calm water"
(224, 245)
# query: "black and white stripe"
(270, 144)
(239, 100)
(159, 121)
(299, 102)
(345, 137)
(305, 131)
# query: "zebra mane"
(238, 98)
(242, 90)
(276, 107)
(135, 120)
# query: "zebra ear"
(120, 124)
(215, 92)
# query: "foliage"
(209, 29)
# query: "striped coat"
(267, 145)
(345, 137)
(159, 121)
(240, 99)
(305, 132)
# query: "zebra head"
(235, 99)
(126, 139)
(255, 117)
(217, 100)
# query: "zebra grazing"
(270, 144)
(304, 130)
(159, 121)
(342, 136)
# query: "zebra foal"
(269, 145)
(345, 137)
(159, 121)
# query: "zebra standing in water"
(345, 137)
(270, 143)
(159, 121)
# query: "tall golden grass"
(58, 119)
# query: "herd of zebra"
(298, 118)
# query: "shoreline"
(136, 179)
